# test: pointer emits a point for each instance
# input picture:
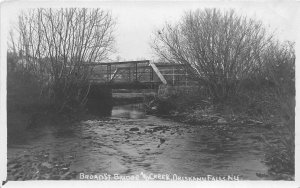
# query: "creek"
(131, 142)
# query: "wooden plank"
(173, 74)
(113, 63)
(167, 65)
(160, 76)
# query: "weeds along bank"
(34, 102)
(26, 107)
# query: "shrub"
(281, 71)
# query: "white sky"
(136, 21)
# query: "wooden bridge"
(139, 74)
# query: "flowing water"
(130, 143)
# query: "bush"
(280, 155)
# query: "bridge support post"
(129, 74)
(136, 72)
(108, 74)
(173, 75)
(186, 77)
(151, 74)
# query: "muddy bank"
(131, 143)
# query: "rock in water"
(221, 121)
(134, 129)
(154, 108)
(46, 164)
(87, 137)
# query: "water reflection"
(132, 111)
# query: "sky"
(138, 20)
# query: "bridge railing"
(128, 71)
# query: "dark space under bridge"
(139, 74)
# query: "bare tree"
(56, 43)
(222, 48)
(279, 66)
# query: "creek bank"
(229, 125)
(202, 115)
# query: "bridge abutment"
(100, 100)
